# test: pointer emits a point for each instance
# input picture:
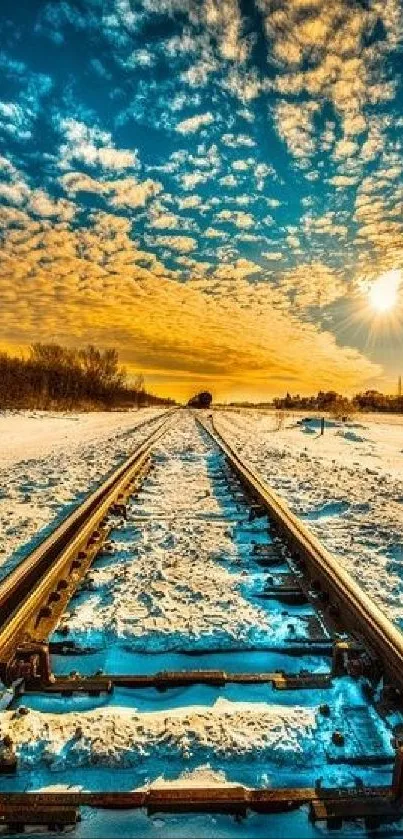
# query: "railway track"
(183, 619)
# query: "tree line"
(369, 400)
(57, 377)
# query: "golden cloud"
(123, 192)
(91, 285)
(325, 51)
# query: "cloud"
(311, 284)
(341, 181)
(272, 255)
(329, 224)
(161, 218)
(234, 141)
(141, 58)
(243, 85)
(243, 165)
(236, 217)
(13, 120)
(334, 53)
(124, 192)
(93, 147)
(193, 124)
(213, 233)
(93, 282)
(304, 175)
(345, 148)
(46, 206)
(228, 180)
(55, 16)
(237, 270)
(182, 244)
(28, 89)
(295, 124)
(189, 202)
(192, 179)
(15, 190)
(224, 22)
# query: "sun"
(383, 293)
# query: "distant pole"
(399, 386)
(322, 425)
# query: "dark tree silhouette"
(56, 377)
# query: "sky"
(211, 186)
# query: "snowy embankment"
(347, 485)
(48, 461)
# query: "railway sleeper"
(333, 806)
(53, 817)
(105, 683)
(291, 596)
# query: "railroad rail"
(343, 601)
(34, 596)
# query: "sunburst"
(383, 292)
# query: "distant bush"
(340, 406)
(56, 377)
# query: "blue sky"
(211, 187)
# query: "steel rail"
(359, 614)
(25, 588)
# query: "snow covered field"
(347, 485)
(48, 461)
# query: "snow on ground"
(200, 777)
(174, 580)
(122, 737)
(48, 461)
(347, 485)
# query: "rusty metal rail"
(344, 597)
(35, 593)
(325, 805)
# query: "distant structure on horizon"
(201, 400)
(399, 386)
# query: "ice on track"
(49, 461)
(121, 738)
(347, 485)
(175, 580)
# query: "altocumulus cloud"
(94, 279)
(201, 183)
